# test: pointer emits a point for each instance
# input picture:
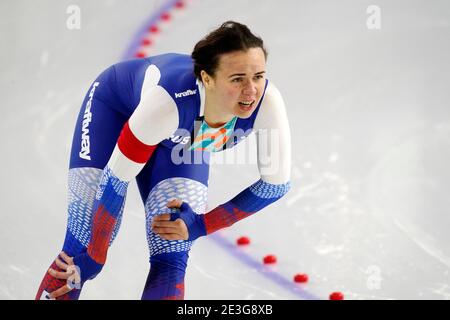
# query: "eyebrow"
(243, 74)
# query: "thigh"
(98, 125)
(160, 181)
(97, 129)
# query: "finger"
(160, 230)
(165, 224)
(61, 291)
(58, 275)
(162, 217)
(61, 264)
(175, 203)
(66, 258)
(172, 236)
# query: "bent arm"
(155, 119)
(274, 164)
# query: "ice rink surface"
(368, 213)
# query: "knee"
(170, 261)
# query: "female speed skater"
(157, 119)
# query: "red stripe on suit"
(132, 148)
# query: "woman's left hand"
(170, 230)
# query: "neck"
(213, 115)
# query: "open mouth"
(246, 105)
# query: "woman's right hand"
(70, 273)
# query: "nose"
(249, 89)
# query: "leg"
(96, 132)
(168, 259)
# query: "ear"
(207, 80)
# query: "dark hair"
(230, 36)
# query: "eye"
(236, 80)
(259, 76)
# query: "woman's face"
(238, 84)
